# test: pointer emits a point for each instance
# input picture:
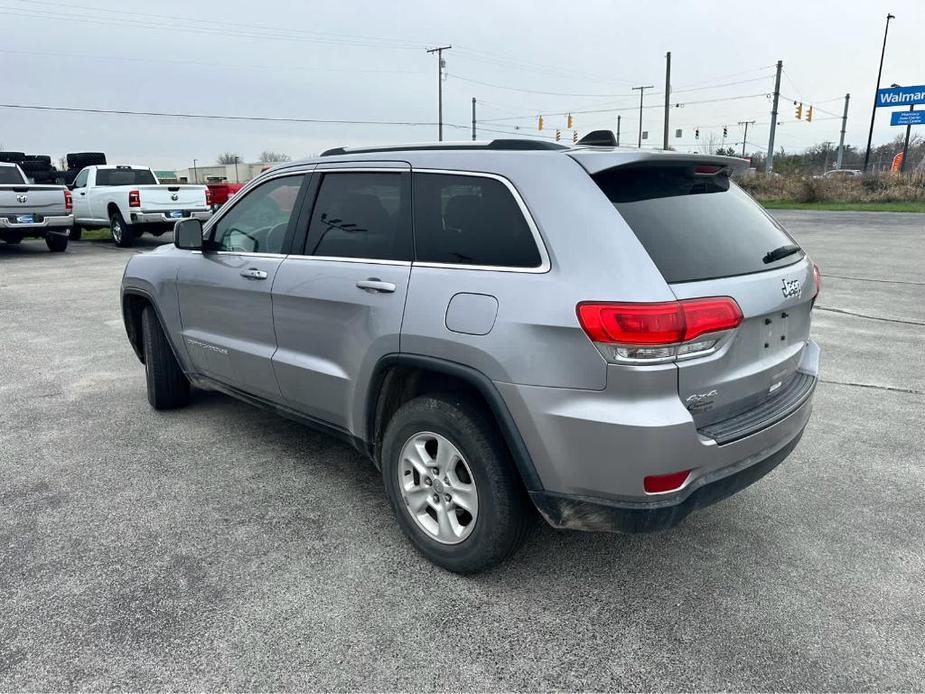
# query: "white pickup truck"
(30, 210)
(130, 201)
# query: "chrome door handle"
(254, 274)
(374, 284)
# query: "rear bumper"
(55, 224)
(593, 449)
(589, 513)
(162, 218)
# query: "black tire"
(122, 234)
(13, 238)
(503, 509)
(75, 233)
(78, 160)
(168, 387)
(57, 243)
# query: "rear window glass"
(694, 227)
(10, 174)
(125, 177)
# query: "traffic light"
(798, 113)
(574, 136)
(568, 123)
(725, 131)
(809, 115)
(540, 123)
(696, 133)
(558, 134)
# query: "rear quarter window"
(464, 219)
(694, 227)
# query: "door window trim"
(254, 183)
(543, 267)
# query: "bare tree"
(268, 157)
(710, 144)
(228, 158)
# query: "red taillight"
(134, 198)
(68, 201)
(817, 280)
(664, 323)
(656, 484)
(208, 197)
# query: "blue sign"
(907, 118)
(892, 97)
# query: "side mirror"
(187, 234)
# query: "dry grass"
(860, 189)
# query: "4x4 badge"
(790, 287)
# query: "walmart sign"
(900, 96)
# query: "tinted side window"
(470, 220)
(361, 215)
(258, 222)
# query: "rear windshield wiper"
(781, 252)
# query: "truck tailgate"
(163, 198)
(44, 201)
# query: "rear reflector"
(656, 484)
(663, 323)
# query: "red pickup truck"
(221, 191)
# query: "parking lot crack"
(869, 317)
(874, 386)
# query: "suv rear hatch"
(709, 238)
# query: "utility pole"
(841, 139)
(873, 110)
(746, 123)
(473, 118)
(642, 91)
(902, 164)
(619, 118)
(440, 65)
(769, 160)
(667, 96)
(195, 172)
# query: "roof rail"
(503, 144)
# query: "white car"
(130, 201)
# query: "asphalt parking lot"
(220, 547)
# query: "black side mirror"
(187, 234)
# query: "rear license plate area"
(175, 214)
(24, 219)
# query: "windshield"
(695, 227)
(125, 177)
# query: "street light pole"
(642, 91)
(440, 64)
(873, 111)
(195, 172)
(746, 123)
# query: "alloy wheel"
(438, 488)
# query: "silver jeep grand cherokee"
(617, 336)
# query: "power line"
(209, 116)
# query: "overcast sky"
(366, 60)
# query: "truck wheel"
(57, 243)
(75, 233)
(452, 485)
(168, 387)
(12, 237)
(122, 234)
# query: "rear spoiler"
(597, 158)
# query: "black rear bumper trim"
(594, 514)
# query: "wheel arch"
(399, 377)
(134, 302)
